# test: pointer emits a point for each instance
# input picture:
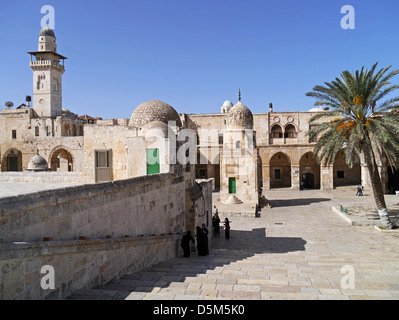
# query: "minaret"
(47, 76)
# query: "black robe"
(201, 243)
(185, 244)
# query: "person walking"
(201, 241)
(185, 244)
(216, 224)
(359, 190)
(227, 228)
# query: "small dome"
(37, 163)
(47, 32)
(318, 109)
(240, 117)
(154, 111)
(227, 103)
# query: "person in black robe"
(201, 242)
(185, 244)
(227, 228)
(216, 224)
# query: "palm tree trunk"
(377, 189)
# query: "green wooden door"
(153, 161)
(232, 185)
(12, 164)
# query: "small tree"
(361, 119)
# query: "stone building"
(98, 150)
(139, 180)
(285, 154)
(244, 153)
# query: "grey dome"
(154, 110)
(240, 117)
(37, 163)
(47, 32)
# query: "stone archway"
(309, 170)
(343, 175)
(280, 171)
(276, 132)
(12, 160)
(61, 160)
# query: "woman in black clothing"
(185, 244)
(201, 242)
(227, 228)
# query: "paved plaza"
(299, 249)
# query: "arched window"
(276, 131)
(290, 131)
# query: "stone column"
(326, 177)
(266, 177)
(295, 177)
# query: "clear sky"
(195, 54)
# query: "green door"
(12, 164)
(153, 161)
(232, 185)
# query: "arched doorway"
(343, 175)
(61, 160)
(280, 171)
(309, 170)
(12, 160)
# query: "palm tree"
(361, 119)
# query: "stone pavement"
(296, 250)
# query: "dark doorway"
(12, 163)
(308, 181)
(393, 180)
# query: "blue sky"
(194, 55)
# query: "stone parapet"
(77, 264)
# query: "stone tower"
(239, 172)
(47, 76)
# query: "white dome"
(227, 103)
(37, 163)
(318, 109)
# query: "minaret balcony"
(45, 64)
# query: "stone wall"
(77, 264)
(88, 233)
(145, 205)
(91, 234)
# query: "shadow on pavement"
(240, 246)
(296, 202)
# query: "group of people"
(216, 224)
(202, 236)
(202, 241)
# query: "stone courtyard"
(295, 250)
